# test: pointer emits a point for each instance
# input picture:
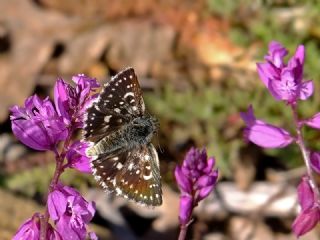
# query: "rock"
(214, 236)
(164, 218)
(9, 149)
(314, 234)
(263, 198)
(268, 199)
(242, 228)
(108, 209)
(168, 211)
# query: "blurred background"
(196, 64)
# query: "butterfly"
(119, 131)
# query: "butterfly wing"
(133, 174)
(118, 103)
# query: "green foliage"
(205, 117)
(36, 180)
(291, 23)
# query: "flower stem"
(305, 152)
(183, 232)
(53, 183)
(57, 172)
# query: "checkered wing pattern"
(129, 172)
(132, 174)
(119, 102)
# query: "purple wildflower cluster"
(196, 179)
(285, 82)
(42, 125)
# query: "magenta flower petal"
(284, 81)
(204, 192)
(315, 161)
(305, 221)
(248, 117)
(306, 90)
(29, 230)
(183, 182)
(296, 63)
(52, 234)
(71, 102)
(276, 54)
(305, 194)
(263, 71)
(210, 164)
(186, 205)
(207, 180)
(77, 157)
(61, 99)
(268, 73)
(288, 87)
(37, 125)
(300, 54)
(314, 121)
(196, 179)
(264, 134)
(73, 212)
(268, 136)
(69, 229)
(57, 204)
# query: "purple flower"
(313, 122)
(70, 211)
(30, 230)
(52, 234)
(185, 211)
(37, 124)
(310, 211)
(77, 158)
(196, 179)
(71, 102)
(285, 81)
(264, 134)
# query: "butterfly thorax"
(137, 132)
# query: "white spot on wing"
(147, 177)
(119, 166)
(128, 94)
(107, 118)
(130, 166)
